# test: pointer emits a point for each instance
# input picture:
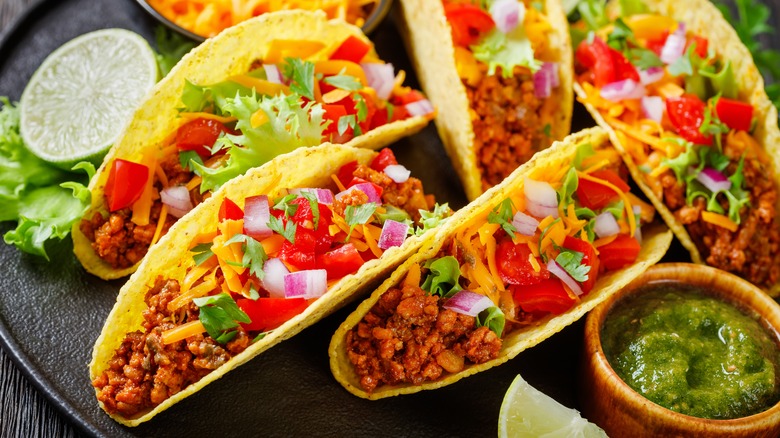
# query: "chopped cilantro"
(547, 130)
(571, 262)
(287, 231)
(644, 59)
(360, 214)
(682, 65)
(502, 215)
(344, 82)
(301, 75)
(284, 204)
(346, 122)
(202, 253)
(254, 254)
(219, 314)
(360, 106)
(314, 205)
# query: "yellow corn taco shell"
(656, 240)
(702, 18)
(230, 53)
(430, 46)
(171, 258)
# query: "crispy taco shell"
(171, 257)
(656, 240)
(428, 38)
(230, 53)
(702, 18)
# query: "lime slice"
(528, 412)
(79, 100)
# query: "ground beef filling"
(122, 243)
(408, 338)
(753, 250)
(507, 127)
(408, 195)
(144, 372)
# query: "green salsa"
(692, 353)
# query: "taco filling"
(537, 254)
(291, 98)
(677, 111)
(509, 71)
(256, 269)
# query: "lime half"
(78, 101)
(528, 412)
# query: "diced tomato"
(301, 254)
(623, 68)
(620, 252)
(588, 259)
(657, 44)
(340, 262)
(546, 296)
(594, 195)
(613, 178)
(406, 98)
(701, 45)
(270, 313)
(356, 180)
(687, 114)
(126, 182)
(333, 113)
(399, 113)
(514, 266)
(199, 135)
(380, 118)
(468, 22)
(598, 58)
(345, 174)
(735, 114)
(385, 158)
(228, 210)
(352, 49)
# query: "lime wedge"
(78, 101)
(528, 412)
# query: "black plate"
(51, 313)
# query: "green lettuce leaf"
(498, 49)
(444, 277)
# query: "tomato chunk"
(588, 259)
(352, 49)
(546, 296)
(340, 262)
(735, 114)
(228, 210)
(199, 135)
(598, 58)
(687, 114)
(623, 68)
(126, 182)
(620, 252)
(594, 195)
(385, 158)
(333, 113)
(467, 22)
(270, 313)
(345, 174)
(514, 265)
(701, 45)
(613, 178)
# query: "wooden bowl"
(609, 402)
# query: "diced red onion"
(545, 79)
(393, 234)
(273, 279)
(621, 90)
(177, 198)
(324, 196)
(468, 303)
(507, 14)
(541, 199)
(653, 107)
(272, 74)
(651, 75)
(713, 180)
(674, 46)
(366, 188)
(420, 108)
(380, 77)
(564, 276)
(524, 224)
(257, 213)
(397, 172)
(311, 283)
(638, 232)
(605, 225)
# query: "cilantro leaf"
(594, 13)
(287, 231)
(620, 36)
(301, 75)
(502, 215)
(202, 252)
(219, 314)
(506, 50)
(284, 204)
(346, 122)
(492, 318)
(571, 262)
(344, 82)
(254, 254)
(314, 205)
(568, 188)
(444, 277)
(644, 59)
(682, 65)
(360, 214)
(360, 106)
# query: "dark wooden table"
(23, 411)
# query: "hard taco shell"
(230, 53)
(656, 240)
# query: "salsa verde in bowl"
(684, 350)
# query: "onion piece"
(651, 75)
(605, 225)
(713, 180)
(311, 283)
(257, 213)
(545, 79)
(422, 107)
(621, 90)
(507, 14)
(323, 196)
(380, 77)
(653, 107)
(541, 199)
(272, 74)
(273, 279)
(367, 188)
(524, 224)
(468, 303)
(564, 276)
(393, 234)
(397, 172)
(177, 198)
(674, 47)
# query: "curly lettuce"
(498, 49)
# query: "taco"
(273, 252)
(265, 87)
(686, 107)
(527, 258)
(500, 77)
